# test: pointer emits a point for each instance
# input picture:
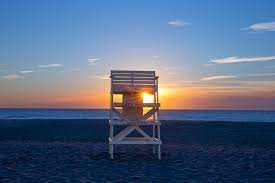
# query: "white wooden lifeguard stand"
(130, 111)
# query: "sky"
(215, 54)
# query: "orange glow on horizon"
(174, 97)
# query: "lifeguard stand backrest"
(131, 84)
(132, 106)
(133, 81)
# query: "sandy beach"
(77, 151)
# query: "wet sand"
(77, 151)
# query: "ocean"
(184, 115)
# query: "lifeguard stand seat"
(130, 111)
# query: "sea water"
(185, 115)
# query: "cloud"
(93, 61)
(26, 72)
(104, 77)
(178, 23)
(171, 70)
(223, 77)
(261, 74)
(155, 57)
(236, 59)
(172, 73)
(75, 69)
(263, 26)
(50, 66)
(217, 77)
(11, 77)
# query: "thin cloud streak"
(75, 69)
(11, 77)
(223, 77)
(26, 72)
(220, 77)
(155, 57)
(263, 26)
(178, 23)
(93, 61)
(50, 66)
(103, 77)
(264, 74)
(237, 59)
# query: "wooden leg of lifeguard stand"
(159, 152)
(159, 148)
(111, 146)
(112, 151)
(154, 135)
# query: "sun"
(147, 98)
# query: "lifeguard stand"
(130, 111)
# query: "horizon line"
(169, 109)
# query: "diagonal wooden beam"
(148, 114)
(120, 115)
(143, 133)
(124, 133)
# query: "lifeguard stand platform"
(130, 111)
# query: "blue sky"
(62, 50)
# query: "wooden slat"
(143, 123)
(133, 75)
(117, 104)
(123, 71)
(122, 78)
(121, 75)
(125, 88)
(134, 78)
(155, 142)
(135, 82)
(136, 87)
(124, 81)
(143, 82)
(144, 78)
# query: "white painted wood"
(143, 133)
(137, 123)
(120, 89)
(119, 114)
(135, 141)
(124, 133)
(135, 82)
(148, 114)
(154, 135)
(117, 104)
(124, 71)
(112, 151)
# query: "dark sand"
(77, 151)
